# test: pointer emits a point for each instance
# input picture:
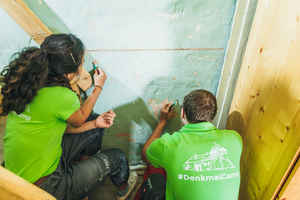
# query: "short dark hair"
(200, 106)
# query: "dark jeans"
(81, 179)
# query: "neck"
(183, 121)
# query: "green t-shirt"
(32, 141)
(201, 161)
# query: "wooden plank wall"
(15, 188)
(292, 192)
(266, 105)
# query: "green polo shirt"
(32, 141)
(201, 161)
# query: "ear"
(182, 115)
(68, 76)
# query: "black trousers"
(81, 179)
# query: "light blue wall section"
(12, 38)
(153, 52)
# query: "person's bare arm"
(104, 120)
(79, 117)
(164, 117)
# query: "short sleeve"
(68, 104)
(155, 152)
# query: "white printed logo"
(216, 159)
(27, 118)
(27, 108)
(76, 102)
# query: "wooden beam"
(14, 187)
(36, 29)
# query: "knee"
(119, 153)
(116, 156)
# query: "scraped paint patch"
(198, 27)
(206, 58)
(86, 53)
(130, 139)
(137, 73)
(95, 62)
(122, 135)
(193, 37)
(91, 23)
(141, 81)
(167, 15)
(139, 45)
(40, 2)
(156, 107)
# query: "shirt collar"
(203, 126)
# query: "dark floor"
(108, 191)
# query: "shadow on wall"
(268, 126)
(235, 119)
(180, 71)
(135, 122)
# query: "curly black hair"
(34, 68)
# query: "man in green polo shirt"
(202, 162)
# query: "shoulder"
(162, 140)
(233, 135)
(169, 141)
(56, 89)
(57, 94)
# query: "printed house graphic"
(216, 159)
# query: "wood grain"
(14, 188)
(266, 105)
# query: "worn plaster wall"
(153, 52)
(12, 38)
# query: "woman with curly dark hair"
(47, 127)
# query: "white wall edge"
(230, 66)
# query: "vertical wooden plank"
(292, 191)
(265, 109)
(14, 187)
(289, 178)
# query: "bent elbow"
(78, 123)
(144, 156)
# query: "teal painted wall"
(153, 52)
(12, 38)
